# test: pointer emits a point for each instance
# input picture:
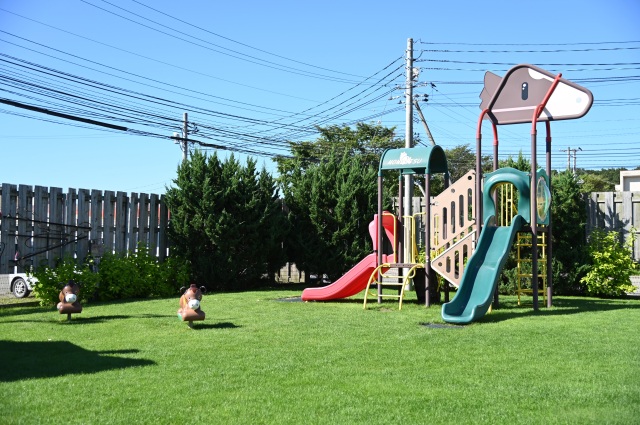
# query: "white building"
(629, 181)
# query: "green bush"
(173, 274)
(611, 264)
(140, 275)
(508, 284)
(135, 275)
(51, 280)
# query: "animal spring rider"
(189, 310)
(69, 299)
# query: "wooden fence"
(39, 225)
(618, 211)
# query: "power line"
(531, 44)
(236, 55)
(243, 44)
(60, 115)
(99, 107)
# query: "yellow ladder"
(523, 242)
(388, 276)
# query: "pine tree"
(226, 219)
(569, 214)
(330, 206)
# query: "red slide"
(352, 282)
(356, 279)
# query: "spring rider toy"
(189, 310)
(69, 299)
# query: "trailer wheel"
(20, 288)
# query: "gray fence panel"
(616, 211)
(45, 224)
(83, 222)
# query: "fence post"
(8, 207)
(122, 207)
(40, 232)
(108, 220)
(153, 224)
(56, 229)
(84, 221)
(25, 226)
(143, 219)
(164, 224)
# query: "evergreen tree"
(366, 140)
(595, 182)
(330, 207)
(603, 180)
(521, 163)
(227, 220)
(569, 215)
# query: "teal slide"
(481, 274)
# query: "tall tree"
(330, 206)
(226, 219)
(521, 163)
(365, 140)
(569, 214)
(603, 180)
(329, 187)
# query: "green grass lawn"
(259, 360)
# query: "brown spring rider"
(69, 297)
(189, 310)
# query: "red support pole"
(533, 190)
(549, 227)
(478, 194)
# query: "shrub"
(135, 275)
(611, 264)
(330, 207)
(51, 280)
(508, 284)
(140, 275)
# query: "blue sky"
(252, 75)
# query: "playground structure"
(468, 234)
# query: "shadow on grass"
(107, 318)
(19, 303)
(22, 309)
(337, 301)
(560, 307)
(221, 325)
(40, 359)
(79, 318)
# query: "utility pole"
(575, 157)
(184, 143)
(184, 140)
(408, 142)
(568, 150)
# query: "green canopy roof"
(422, 160)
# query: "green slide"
(481, 274)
